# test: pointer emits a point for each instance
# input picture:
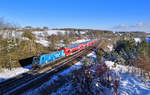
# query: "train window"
(35, 59)
(68, 51)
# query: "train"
(43, 59)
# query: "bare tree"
(66, 38)
(71, 35)
(53, 41)
(60, 36)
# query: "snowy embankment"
(54, 79)
(80, 41)
(6, 74)
(130, 84)
(41, 35)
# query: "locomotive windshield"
(36, 59)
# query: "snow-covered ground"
(53, 79)
(50, 32)
(6, 74)
(80, 41)
(132, 85)
(129, 84)
(43, 42)
(137, 40)
(42, 34)
(110, 47)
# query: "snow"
(50, 32)
(39, 34)
(80, 41)
(60, 45)
(92, 54)
(43, 42)
(14, 34)
(137, 40)
(83, 32)
(110, 47)
(42, 34)
(6, 74)
(109, 39)
(25, 38)
(130, 84)
(54, 78)
(110, 64)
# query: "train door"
(67, 51)
(80, 47)
(42, 60)
(36, 61)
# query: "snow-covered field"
(53, 79)
(43, 42)
(130, 84)
(80, 41)
(6, 74)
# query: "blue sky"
(96, 14)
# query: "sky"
(124, 15)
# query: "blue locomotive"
(41, 60)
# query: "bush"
(124, 50)
(125, 45)
(29, 35)
(144, 49)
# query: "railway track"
(31, 78)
